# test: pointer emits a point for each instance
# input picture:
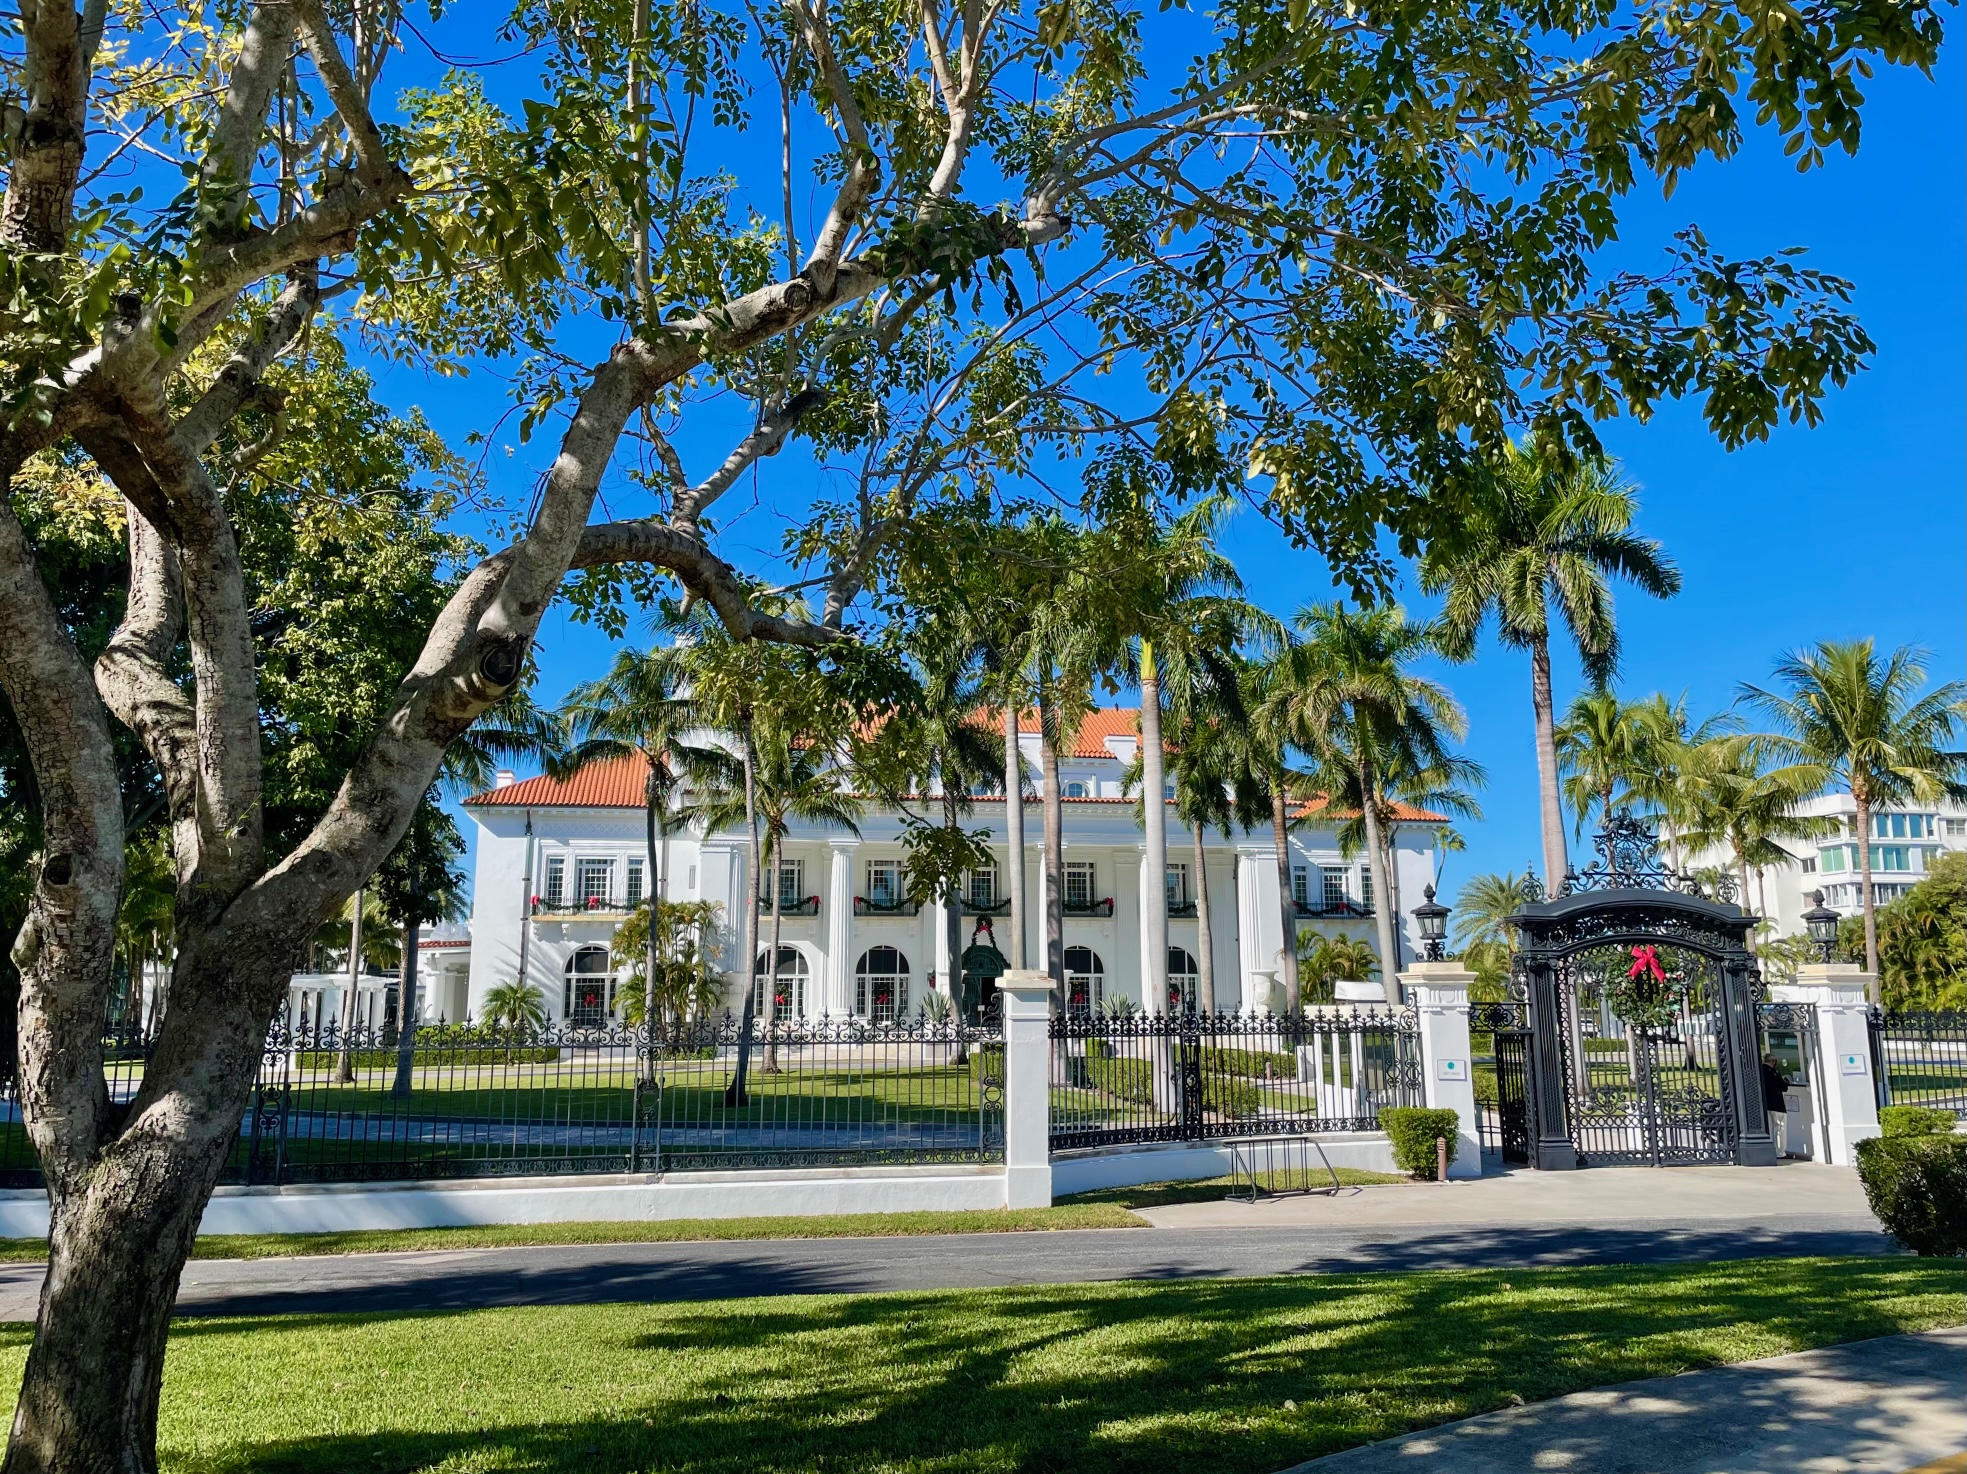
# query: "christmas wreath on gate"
(1646, 997)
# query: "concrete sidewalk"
(1624, 1195)
(1890, 1405)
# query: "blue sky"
(1857, 527)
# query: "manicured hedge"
(1256, 1064)
(1413, 1131)
(1906, 1120)
(1130, 1079)
(1917, 1186)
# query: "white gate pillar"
(1438, 992)
(1026, 999)
(1837, 992)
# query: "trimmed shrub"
(1413, 1129)
(1255, 1064)
(1129, 1079)
(1233, 1097)
(1915, 1121)
(1917, 1185)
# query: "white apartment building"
(560, 864)
(1904, 844)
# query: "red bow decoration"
(1645, 959)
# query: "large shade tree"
(1278, 228)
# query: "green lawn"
(1235, 1377)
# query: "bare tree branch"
(765, 440)
(242, 113)
(372, 158)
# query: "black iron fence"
(1499, 1041)
(473, 1101)
(1920, 1059)
(1187, 1077)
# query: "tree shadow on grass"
(1239, 1375)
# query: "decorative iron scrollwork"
(1629, 860)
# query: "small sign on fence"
(1451, 1069)
(1854, 1064)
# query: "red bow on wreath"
(1645, 959)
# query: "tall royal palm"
(1176, 604)
(639, 708)
(1539, 539)
(1604, 750)
(1734, 799)
(1351, 699)
(1862, 720)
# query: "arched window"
(881, 984)
(590, 993)
(791, 994)
(1075, 790)
(1182, 976)
(1085, 981)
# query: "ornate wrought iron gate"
(1642, 994)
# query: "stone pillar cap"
(1026, 977)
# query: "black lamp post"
(1822, 922)
(1432, 918)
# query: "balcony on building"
(790, 905)
(876, 906)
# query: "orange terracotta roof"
(613, 783)
(1101, 723)
(1402, 813)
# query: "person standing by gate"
(1775, 1085)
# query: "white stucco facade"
(559, 866)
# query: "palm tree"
(1860, 720)
(1541, 535)
(1349, 698)
(639, 708)
(785, 776)
(1604, 748)
(685, 986)
(1483, 937)
(517, 1008)
(1731, 799)
(1329, 960)
(934, 743)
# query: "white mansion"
(561, 863)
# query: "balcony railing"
(1340, 910)
(791, 906)
(1103, 907)
(864, 906)
(582, 906)
(986, 908)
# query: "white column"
(1837, 991)
(1259, 939)
(1027, 1005)
(1439, 994)
(840, 931)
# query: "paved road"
(1897, 1403)
(590, 1274)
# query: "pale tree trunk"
(1014, 837)
(1550, 802)
(345, 1060)
(1383, 898)
(1741, 879)
(652, 843)
(1154, 815)
(1280, 831)
(1863, 799)
(952, 904)
(772, 970)
(734, 1093)
(1054, 845)
(1205, 962)
(406, 1010)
